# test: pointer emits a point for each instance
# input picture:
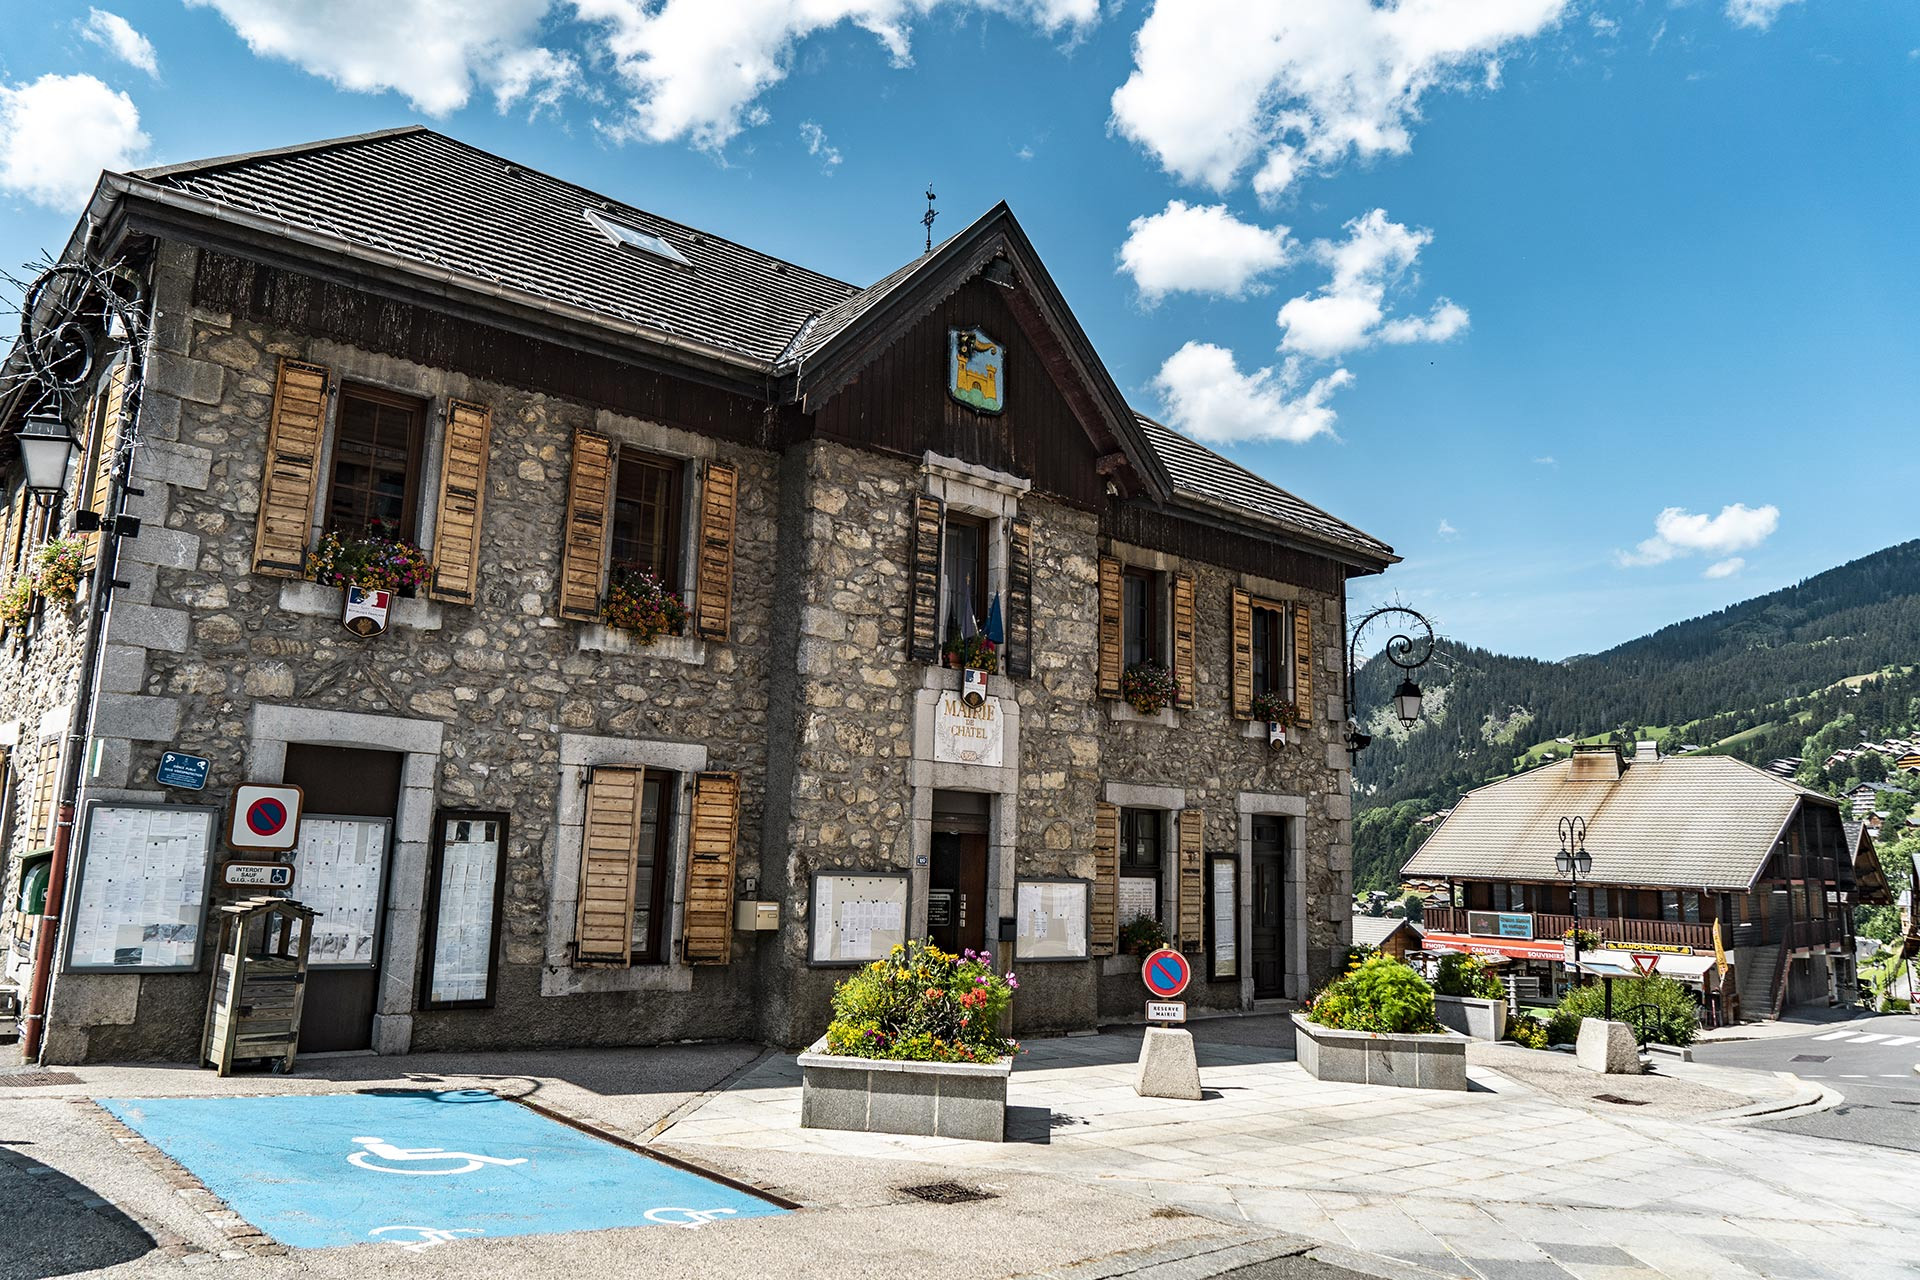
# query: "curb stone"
(1810, 1098)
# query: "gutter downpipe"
(80, 730)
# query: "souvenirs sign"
(965, 734)
(976, 370)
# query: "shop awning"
(1511, 948)
(1619, 964)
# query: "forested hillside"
(1828, 659)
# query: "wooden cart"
(259, 983)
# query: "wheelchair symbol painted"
(429, 1237)
(380, 1149)
(691, 1219)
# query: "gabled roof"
(1203, 477)
(1688, 821)
(1373, 931)
(445, 205)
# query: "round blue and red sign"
(1166, 973)
(266, 817)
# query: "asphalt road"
(1869, 1061)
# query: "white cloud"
(429, 51)
(695, 68)
(116, 35)
(1207, 397)
(59, 132)
(1221, 86)
(1351, 310)
(1200, 249)
(1678, 532)
(1546, 460)
(1447, 530)
(540, 76)
(1757, 14)
(1602, 25)
(1725, 568)
(817, 145)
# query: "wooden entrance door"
(351, 797)
(1269, 908)
(957, 891)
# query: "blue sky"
(1629, 258)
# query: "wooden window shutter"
(716, 834)
(1192, 887)
(1020, 597)
(96, 483)
(583, 555)
(923, 603)
(1105, 907)
(1303, 663)
(1183, 664)
(291, 479)
(463, 498)
(1242, 682)
(713, 588)
(1111, 602)
(46, 782)
(609, 856)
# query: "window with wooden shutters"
(1191, 880)
(1106, 880)
(923, 588)
(583, 553)
(46, 782)
(713, 588)
(1020, 597)
(1240, 689)
(461, 502)
(290, 480)
(609, 857)
(1112, 601)
(1303, 662)
(95, 481)
(715, 836)
(1184, 673)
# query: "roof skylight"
(620, 233)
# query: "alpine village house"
(524, 820)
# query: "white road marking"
(1853, 1077)
(1870, 1036)
(1836, 1035)
(1897, 1040)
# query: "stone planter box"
(927, 1099)
(1470, 1016)
(1436, 1061)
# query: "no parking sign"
(265, 817)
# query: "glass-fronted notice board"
(464, 908)
(140, 901)
(857, 916)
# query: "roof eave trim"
(116, 186)
(1301, 539)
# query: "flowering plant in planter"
(975, 652)
(1141, 936)
(1586, 939)
(376, 560)
(16, 602)
(1148, 688)
(1275, 708)
(57, 568)
(640, 603)
(922, 1004)
(1378, 994)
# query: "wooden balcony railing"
(1548, 925)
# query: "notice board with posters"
(857, 916)
(140, 897)
(1050, 919)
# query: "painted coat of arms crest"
(976, 370)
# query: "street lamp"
(47, 453)
(1574, 861)
(1400, 651)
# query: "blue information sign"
(178, 769)
(1515, 924)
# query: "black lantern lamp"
(47, 453)
(1406, 702)
(1407, 652)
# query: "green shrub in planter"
(1468, 976)
(1664, 1006)
(1527, 1031)
(922, 1004)
(1141, 936)
(1379, 994)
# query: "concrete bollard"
(1607, 1047)
(1168, 1068)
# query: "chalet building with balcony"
(524, 820)
(1741, 883)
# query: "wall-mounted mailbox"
(750, 916)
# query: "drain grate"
(1619, 1101)
(947, 1193)
(33, 1079)
(1811, 1057)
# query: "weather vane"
(926, 219)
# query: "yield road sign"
(1166, 973)
(1645, 963)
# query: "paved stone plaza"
(1506, 1181)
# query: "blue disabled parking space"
(418, 1169)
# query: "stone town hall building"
(521, 826)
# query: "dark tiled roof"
(1203, 475)
(426, 197)
(835, 320)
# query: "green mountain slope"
(1755, 679)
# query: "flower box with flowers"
(914, 1047)
(641, 605)
(1278, 713)
(1149, 688)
